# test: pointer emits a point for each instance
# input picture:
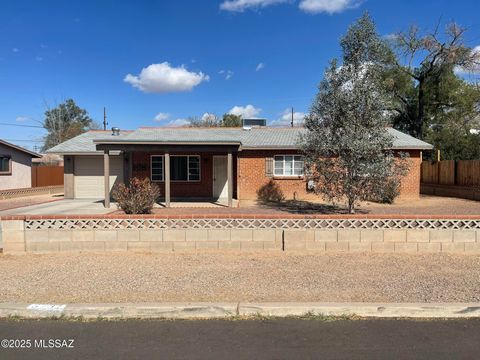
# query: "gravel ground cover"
(131, 277)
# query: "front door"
(220, 179)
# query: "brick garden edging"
(315, 233)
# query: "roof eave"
(79, 153)
(140, 142)
(19, 148)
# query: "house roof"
(83, 143)
(255, 138)
(19, 148)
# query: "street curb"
(229, 310)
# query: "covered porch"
(188, 175)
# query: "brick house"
(202, 163)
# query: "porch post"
(167, 179)
(106, 175)
(230, 178)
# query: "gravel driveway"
(239, 277)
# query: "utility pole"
(292, 117)
(105, 123)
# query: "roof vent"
(115, 131)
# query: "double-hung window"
(5, 165)
(182, 168)
(289, 165)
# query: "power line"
(21, 125)
(16, 140)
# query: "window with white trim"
(182, 168)
(289, 165)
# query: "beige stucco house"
(15, 166)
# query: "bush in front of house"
(138, 197)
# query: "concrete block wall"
(19, 240)
(409, 241)
(12, 236)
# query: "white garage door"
(89, 182)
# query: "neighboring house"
(218, 163)
(15, 166)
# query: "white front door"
(220, 179)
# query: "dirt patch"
(127, 277)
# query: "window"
(157, 168)
(5, 164)
(289, 165)
(182, 168)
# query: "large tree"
(421, 75)
(212, 120)
(231, 120)
(347, 145)
(64, 122)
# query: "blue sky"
(174, 59)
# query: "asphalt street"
(241, 339)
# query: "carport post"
(230, 178)
(106, 175)
(167, 179)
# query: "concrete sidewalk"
(63, 206)
(233, 309)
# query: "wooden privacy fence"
(451, 172)
(47, 176)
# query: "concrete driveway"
(63, 207)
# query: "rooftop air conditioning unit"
(254, 122)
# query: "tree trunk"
(418, 125)
(351, 206)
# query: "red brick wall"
(202, 188)
(250, 167)
(411, 183)
(251, 170)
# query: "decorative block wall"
(294, 233)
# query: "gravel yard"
(127, 277)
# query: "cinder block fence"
(286, 233)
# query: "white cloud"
(39, 58)
(43, 46)
(260, 66)
(475, 70)
(15, 50)
(22, 118)
(178, 123)
(163, 78)
(208, 117)
(390, 37)
(242, 5)
(245, 112)
(285, 118)
(327, 6)
(161, 116)
(228, 74)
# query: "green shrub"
(386, 194)
(138, 197)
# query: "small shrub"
(138, 197)
(270, 192)
(387, 193)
